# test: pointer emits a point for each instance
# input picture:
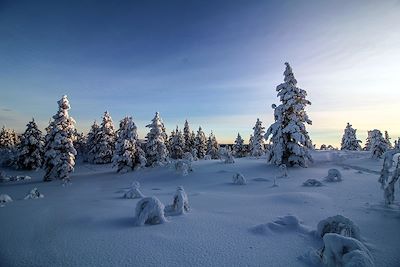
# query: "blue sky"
(215, 63)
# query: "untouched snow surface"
(89, 223)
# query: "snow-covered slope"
(89, 223)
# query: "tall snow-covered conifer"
(238, 148)
(177, 144)
(30, 150)
(378, 144)
(59, 156)
(201, 143)
(189, 141)
(349, 139)
(156, 149)
(128, 153)
(258, 140)
(387, 139)
(91, 142)
(105, 141)
(212, 146)
(290, 140)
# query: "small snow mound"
(239, 179)
(334, 175)
(149, 210)
(207, 157)
(34, 194)
(4, 198)
(134, 191)
(339, 225)
(345, 251)
(312, 183)
(180, 203)
(288, 223)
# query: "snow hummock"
(312, 183)
(288, 223)
(239, 179)
(149, 210)
(334, 175)
(134, 191)
(4, 198)
(340, 225)
(34, 194)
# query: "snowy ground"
(89, 223)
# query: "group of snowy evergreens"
(285, 143)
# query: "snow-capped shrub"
(180, 204)
(312, 183)
(207, 157)
(345, 251)
(34, 194)
(149, 210)
(339, 225)
(30, 150)
(290, 140)
(378, 145)
(239, 179)
(334, 175)
(182, 167)
(257, 146)
(225, 154)
(4, 198)
(134, 191)
(283, 171)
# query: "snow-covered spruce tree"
(378, 144)
(368, 142)
(201, 144)
(8, 138)
(290, 140)
(257, 146)
(59, 156)
(397, 144)
(156, 150)
(387, 139)
(349, 139)
(250, 147)
(189, 141)
(80, 144)
(91, 142)
(212, 146)
(30, 150)
(177, 144)
(127, 149)
(105, 141)
(239, 149)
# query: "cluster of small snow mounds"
(239, 179)
(149, 210)
(34, 194)
(312, 183)
(4, 198)
(180, 204)
(334, 175)
(134, 191)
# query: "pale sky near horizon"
(215, 63)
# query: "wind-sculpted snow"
(288, 223)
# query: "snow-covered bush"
(212, 146)
(4, 198)
(345, 251)
(290, 140)
(349, 139)
(239, 179)
(239, 149)
(30, 150)
(334, 175)
(312, 183)
(156, 148)
(59, 156)
(134, 191)
(207, 157)
(200, 144)
(283, 171)
(339, 225)
(180, 204)
(105, 141)
(225, 154)
(182, 167)
(387, 178)
(149, 210)
(257, 146)
(34, 194)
